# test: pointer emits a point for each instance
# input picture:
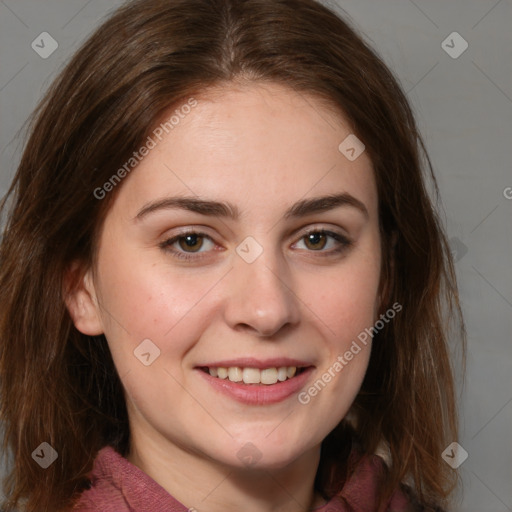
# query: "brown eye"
(315, 241)
(325, 243)
(191, 243)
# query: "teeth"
(269, 376)
(235, 374)
(290, 371)
(266, 376)
(251, 376)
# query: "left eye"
(318, 240)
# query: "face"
(245, 243)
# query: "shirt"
(120, 486)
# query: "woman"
(223, 283)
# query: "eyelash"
(344, 243)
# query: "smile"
(243, 382)
(265, 376)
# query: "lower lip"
(259, 394)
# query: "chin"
(261, 454)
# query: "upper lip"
(251, 362)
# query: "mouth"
(257, 382)
(254, 376)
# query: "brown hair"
(60, 386)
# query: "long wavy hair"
(61, 386)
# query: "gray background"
(464, 109)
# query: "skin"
(262, 148)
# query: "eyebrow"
(301, 208)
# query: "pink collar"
(119, 486)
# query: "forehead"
(260, 143)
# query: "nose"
(261, 298)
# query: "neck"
(202, 484)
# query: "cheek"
(344, 303)
(144, 300)
(345, 300)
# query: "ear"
(81, 300)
